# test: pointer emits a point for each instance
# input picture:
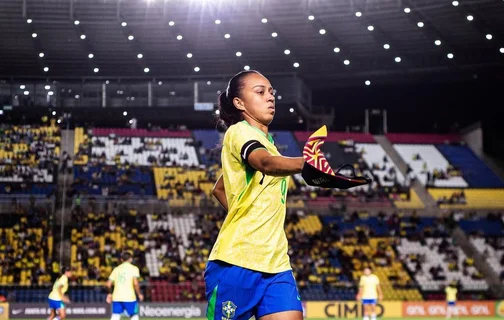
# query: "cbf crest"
(228, 310)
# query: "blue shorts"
(451, 303)
(55, 304)
(237, 293)
(368, 301)
(131, 307)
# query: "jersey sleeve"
(377, 280)
(135, 273)
(362, 282)
(241, 144)
(63, 281)
(113, 275)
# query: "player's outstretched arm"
(219, 192)
(277, 166)
(380, 293)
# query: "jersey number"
(122, 278)
(283, 190)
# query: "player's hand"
(109, 298)
(357, 297)
(65, 299)
(140, 297)
(380, 298)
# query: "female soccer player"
(369, 292)
(249, 272)
(57, 297)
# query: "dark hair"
(126, 255)
(65, 270)
(228, 113)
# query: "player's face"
(367, 271)
(257, 98)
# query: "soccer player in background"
(124, 278)
(249, 272)
(57, 297)
(451, 299)
(370, 292)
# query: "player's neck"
(256, 124)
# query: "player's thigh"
(232, 292)
(284, 315)
(62, 313)
(280, 299)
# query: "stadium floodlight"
(274, 34)
(368, 83)
(50, 93)
(247, 68)
(346, 62)
(386, 46)
(171, 23)
(131, 37)
(287, 51)
(26, 93)
(470, 17)
(455, 3)
(41, 54)
(336, 49)
(279, 97)
(22, 87)
(96, 70)
(90, 56)
(47, 87)
(407, 10)
(420, 24)
(296, 64)
(489, 36)
(77, 96)
(218, 21)
(189, 55)
(501, 50)
(437, 42)
(146, 70)
(76, 22)
(238, 54)
(217, 112)
(197, 69)
(124, 23)
(264, 20)
(179, 37)
(125, 113)
(291, 110)
(139, 56)
(322, 31)
(83, 36)
(34, 35)
(311, 17)
(46, 69)
(29, 21)
(370, 28)
(227, 36)
(358, 14)
(450, 55)
(398, 59)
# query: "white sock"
(373, 316)
(115, 316)
(134, 317)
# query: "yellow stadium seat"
(475, 198)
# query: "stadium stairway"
(480, 262)
(421, 192)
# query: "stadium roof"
(329, 42)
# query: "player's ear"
(238, 103)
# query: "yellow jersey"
(122, 276)
(60, 282)
(252, 235)
(451, 294)
(369, 284)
